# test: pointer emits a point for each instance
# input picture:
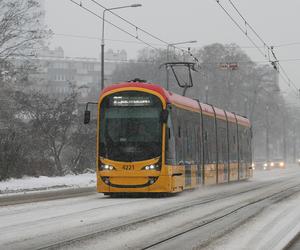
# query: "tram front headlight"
(152, 180)
(106, 167)
(281, 164)
(265, 164)
(105, 179)
(272, 164)
(152, 167)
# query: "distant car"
(277, 163)
(260, 164)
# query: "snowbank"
(44, 183)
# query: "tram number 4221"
(128, 167)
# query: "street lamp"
(206, 94)
(102, 40)
(245, 106)
(168, 47)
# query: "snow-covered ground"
(38, 224)
(27, 183)
(44, 183)
(273, 229)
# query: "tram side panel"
(184, 135)
(210, 150)
(233, 152)
(222, 151)
(244, 152)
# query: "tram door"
(187, 143)
(222, 152)
(199, 153)
(225, 156)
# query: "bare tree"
(51, 120)
(21, 34)
(20, 30)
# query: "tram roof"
(179, 100)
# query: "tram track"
(135, 222)
(220, 215)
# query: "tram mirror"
(87, 116)
(164, 116)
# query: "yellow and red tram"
(152, 140)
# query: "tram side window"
(188, 137)
(248, 145)
(170, 140)
(186, 127)
(192, 141)
(241, 144)
(232, 142)
(182, 139)
(189, 153)
(222, 141)
(192, 124)
(206, 140)
(213, 140)
(178, 135)
(209, 139)
(197, 148)
(198, 144)
(199, 141)
(185, 143)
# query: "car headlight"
(281, 164)
(299, 160)
(265, 164)
(272, 164)
(253, 165)
(152, 167)
(106, 167)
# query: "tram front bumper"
(133, 184)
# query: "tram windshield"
(130, 126)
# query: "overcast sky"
(175, 21)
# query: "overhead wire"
(286, 78)
(274, 62)
(188, 52)
(241, 29)
(142, 30)
(247, 24)
(135, 26)
(99, 39)
(130, 23)
(157, 44)
(112, 24)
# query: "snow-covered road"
(257, 214)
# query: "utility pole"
(102, 37)
(284, 138)
(294, 144)
(267, 134)
(229, 67)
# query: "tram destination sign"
(131, 101)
